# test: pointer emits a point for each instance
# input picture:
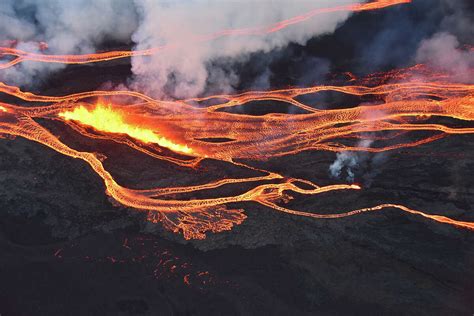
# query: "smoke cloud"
(81, 26)
(348, 163)
(66, 26)
(362, 167)
(443, 52)
(344, 161)
(189, 67)
(432, 32)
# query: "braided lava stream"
(182, 132)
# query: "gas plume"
(61, 27)
(188, 69)
(195, 34)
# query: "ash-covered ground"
(67, 250)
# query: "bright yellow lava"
(105, 119)
(2, 109)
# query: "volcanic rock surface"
(66, 249)
(61, 236)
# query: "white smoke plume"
(80, 26)
(67, 26)
(344, 161)
(347, 162)
(186, 70)
(443, 52)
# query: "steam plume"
(69, 26)
(81, 26)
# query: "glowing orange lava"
(403, 101)
(106, 119)
(275, 134)
(21, 56)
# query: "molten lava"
(402, 102)
(252, 137)
(21, 56)
(106, 119)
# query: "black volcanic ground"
(67, 250)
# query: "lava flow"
(186, 132)
(106, 119)
(147, 123)
(20, 56)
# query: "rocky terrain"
(66, 249)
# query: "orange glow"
(20, 56)
(105, 119)
(251, 137)
(402, 101)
